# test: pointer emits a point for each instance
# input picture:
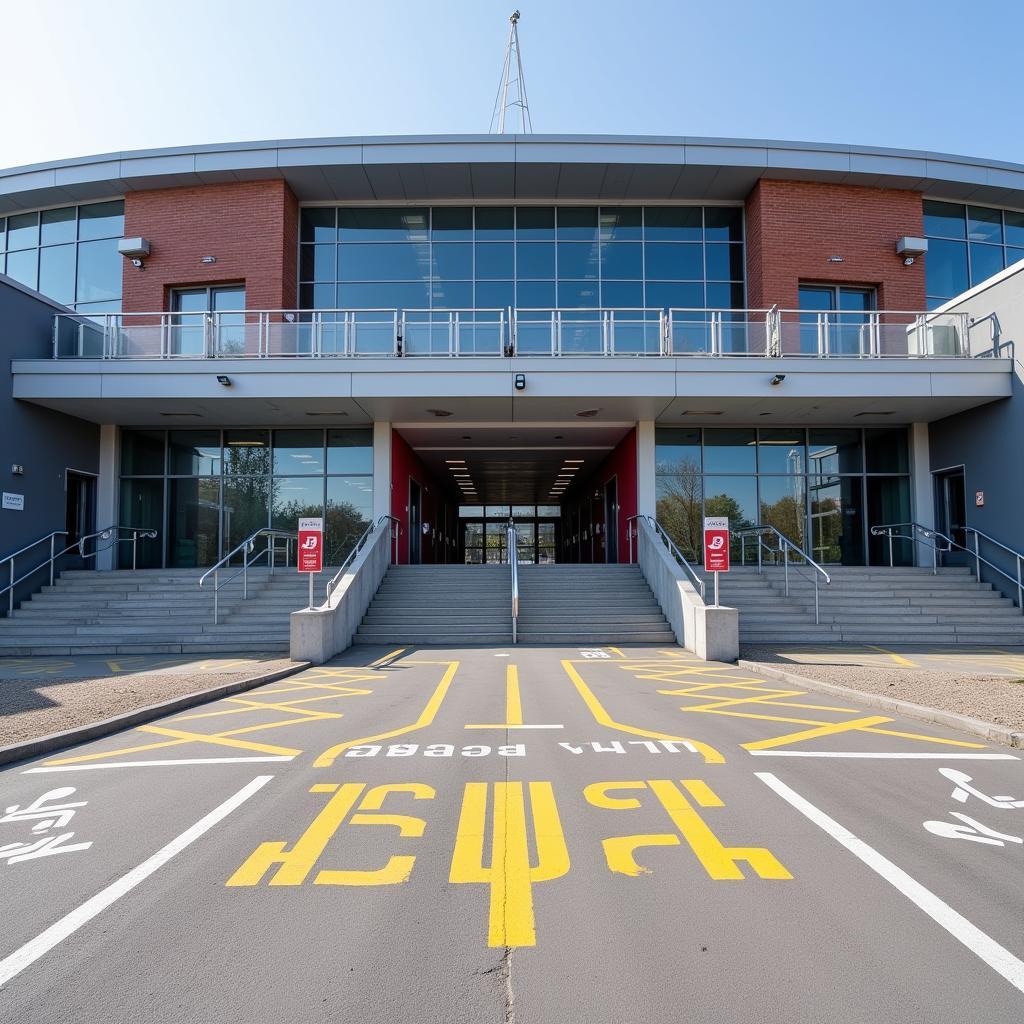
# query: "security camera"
(136, 262)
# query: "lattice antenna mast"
(512, 88)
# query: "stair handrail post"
(216, 596)
(889, 532)
(53, 538)
(785, 560)
(977, 558)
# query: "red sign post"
(311, 549)
(716, 547)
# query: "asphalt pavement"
(516, 835)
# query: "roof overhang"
(504, 168)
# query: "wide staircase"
(154, 611)
(589, 604)
(440, 604)
(871, 605)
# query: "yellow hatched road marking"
(601, 716)
(615, 650)
(898, 658)
(386, 658)
(513, 702)
(427, 716)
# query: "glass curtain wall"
(69, 254)
(569, 257)
(967, 244)
(207, 490)
(821, 488)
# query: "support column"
(381, 469)
(646, 499)
(106, 490)
(922, 497)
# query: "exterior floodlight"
(777, 380)
(134, 249)
(520, 382)
(910, 248)
(224, 379)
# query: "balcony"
(496, 333)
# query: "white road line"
(155, 764)
(17, 961)
(981, 945)
(870, 753)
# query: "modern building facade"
(565, 331)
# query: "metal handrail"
(785, 545)
(513, 559)
(246, 546)
(928, 534)
(336, 579)
(105, 534)
(670, 544)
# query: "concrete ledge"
(83, 733)
(974, 726)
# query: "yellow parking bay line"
(601, 716)
(427, 716)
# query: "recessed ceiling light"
(440, 413)
(570, 461)
(701, 412)
(858, 414)
(587, 414)
(330, 413)
(455, 462)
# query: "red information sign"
(311, 545)
(716, 544)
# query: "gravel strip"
(37, 707)
(995, 699)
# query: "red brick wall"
(251, 227)
(793, 227)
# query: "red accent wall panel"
(436, 504)
(621, 463)
(251, 228)
(793, 227)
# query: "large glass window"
(532, 257)
(208, 490)
(813, 486)
(966, 245)
(69, 254)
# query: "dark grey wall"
(46, 443)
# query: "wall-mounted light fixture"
(520, 382)
(134, 249)
(777, 380)
(835, 259)
(208, 259)
(910, 248)
(224, 380)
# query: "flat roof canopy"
(512, 168)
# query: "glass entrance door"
(835, 319)
(952, 505)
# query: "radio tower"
(512, 89)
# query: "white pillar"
(646, 499)
(922, 497)
(381, 469)
(106, 490)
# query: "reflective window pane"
(99, 271)
(781, 451)
(622, 260)
(318, 224)
(246, 451)
(535, 261)
(677, 449)
(984, 224)
(837, 520)
(379, 261)
(101, 220)
(783, 505)
(453, 261)
(1014, 256)
(142, 504)
(452, 223)
(673, 223)
(298, 452)
(835, 451)
(729, 451)
(495, 260)
(674, 296)
(725, 296)
(382, 224)
(194, 452)
(57, 272)
(1014, 222)
(535, 222)
(495, 294)
(679, 508)
(142, 452)
(945, 267)
(452, 295)
(193, 522)
(495, 223)
(986, 260)
(384, 296)
(318, 262)
(622, 223)
(577, 260)
(577, 294)
(535, 294)
(22, 230)
(666, 261)
(350, 451)
(246, 508)
(732, 496)
(294, 498)
(23, 266)
(724, 262)
(577, 222)
(723, 223)
(3, 233)
(57, 225)
(946, 220)
(622, 294)
(886, 451)
(888, 501)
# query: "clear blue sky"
(91, 76)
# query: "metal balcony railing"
(496, 333)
